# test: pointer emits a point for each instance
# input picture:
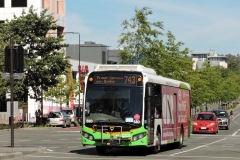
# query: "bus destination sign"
(115, 79)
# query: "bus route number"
(130, 79)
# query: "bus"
(139, 109)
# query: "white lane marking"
(49, 150)
(234, 134)
(235, 116)
(53, 147)
(66, 132)
(208, 157)
(198, 147)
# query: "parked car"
(59, 119)
(223, 118)
(205, 122)
(72, 114)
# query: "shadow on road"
(133, 151)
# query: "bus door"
(149, 114)
(175, 112)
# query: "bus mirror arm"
(149, 91)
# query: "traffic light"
(18, 59)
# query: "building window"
(19, 3)
(1, 3)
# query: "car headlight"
(211, 124)
(138, 136)
(195, 123)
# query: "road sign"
(8, 95)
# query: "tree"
(139, 37)
(175, 63)
(44, 55)
(141, 44)
(3, 82)
(234, 65)
(64, 91)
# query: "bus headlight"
(88, 136)
(138, 136)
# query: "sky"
(202, 25)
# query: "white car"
(59, 119)
(72, 114)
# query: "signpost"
(14, 63)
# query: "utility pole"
(14, 66)
(11, 85)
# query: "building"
(212, 58)
(87, 55)
(9, 8)
(91, 54)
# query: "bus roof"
(151, 74)
(122, 67)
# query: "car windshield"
(68, 111)
(55, 115)
(113, 104)
(220, 113)
(205, 117)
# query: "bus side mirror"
(149, 91)
(87, 109)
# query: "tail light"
(61, 119)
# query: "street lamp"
(78, 61)
(79, 89)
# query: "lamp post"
(79, 89)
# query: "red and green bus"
(140, 109)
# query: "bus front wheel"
(157, 147)
(101, 149)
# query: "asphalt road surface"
(65, 143)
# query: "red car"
(205, 122)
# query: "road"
(66, 144)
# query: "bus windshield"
(113, 104)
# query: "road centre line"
(234, 134)
(236, 116)
(198, 147)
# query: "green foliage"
(143, 43)
(139, 37)
(44, 55)
(60, 93)
(213, 84)
(3, 82)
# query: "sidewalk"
(13, 152)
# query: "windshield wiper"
(116, 123)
